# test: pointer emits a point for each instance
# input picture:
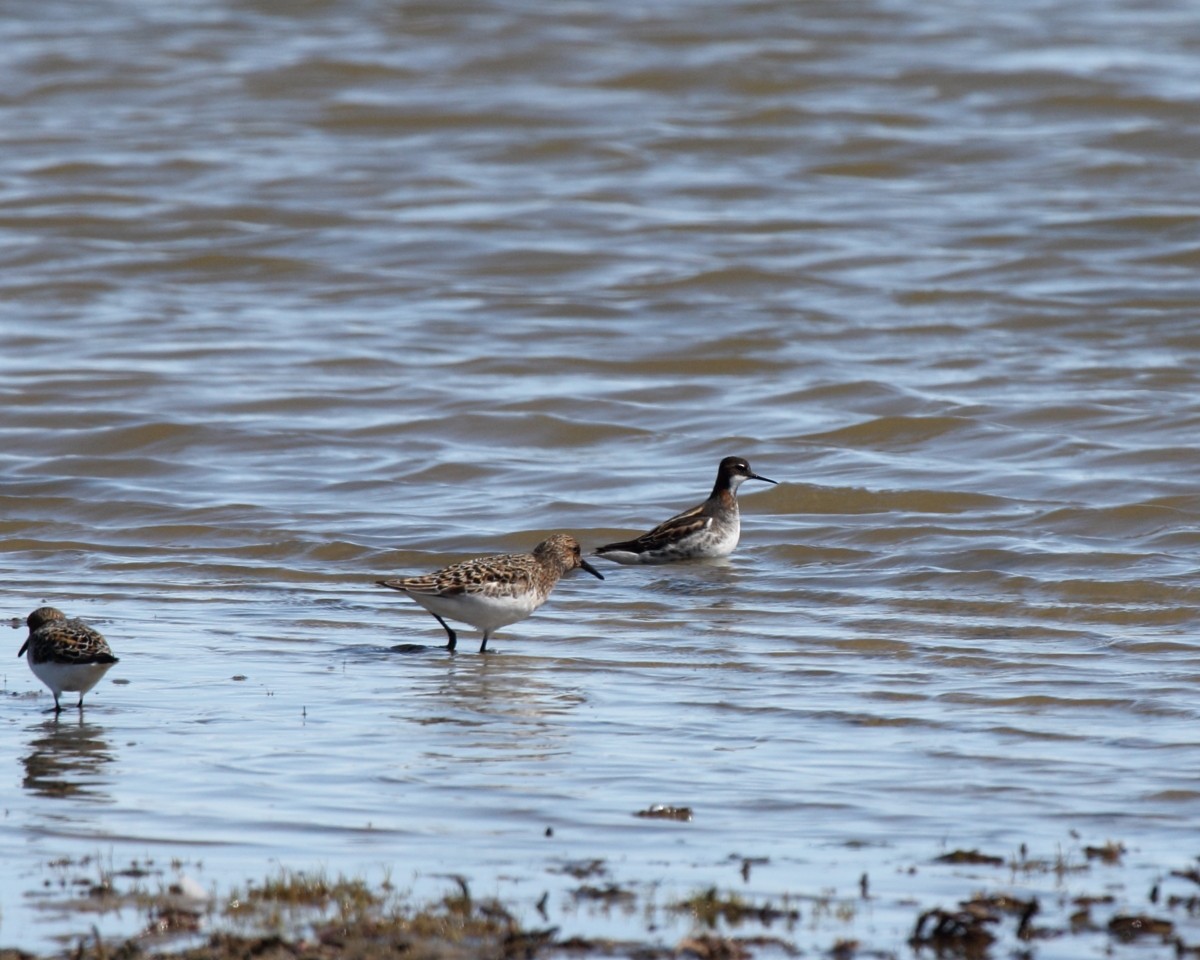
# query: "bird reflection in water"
(66, 759)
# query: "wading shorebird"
(65, 654)
(492, 592)
(710, 529)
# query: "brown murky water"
(297, 295)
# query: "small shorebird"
(65, 654)
(710, 529)
(492, 592)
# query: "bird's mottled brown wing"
(427, 583)
(469, 576)
(70, 641)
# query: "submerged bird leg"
(453, 641)
(483, 646)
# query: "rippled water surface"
(298, 295)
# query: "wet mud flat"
(1085, 902)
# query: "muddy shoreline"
(1083, 902)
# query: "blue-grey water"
(294, 296)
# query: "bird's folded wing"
(423, 585)
(471, 576)
(670, 531)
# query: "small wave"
(894, 432)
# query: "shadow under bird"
(492, 592)
(65, 654)
(709, 529)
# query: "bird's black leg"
(453, 641)
(483, 646)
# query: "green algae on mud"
(711, 907)
(1008, 905)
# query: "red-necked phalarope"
(65, 654)
(492, 592)
(710, 529)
